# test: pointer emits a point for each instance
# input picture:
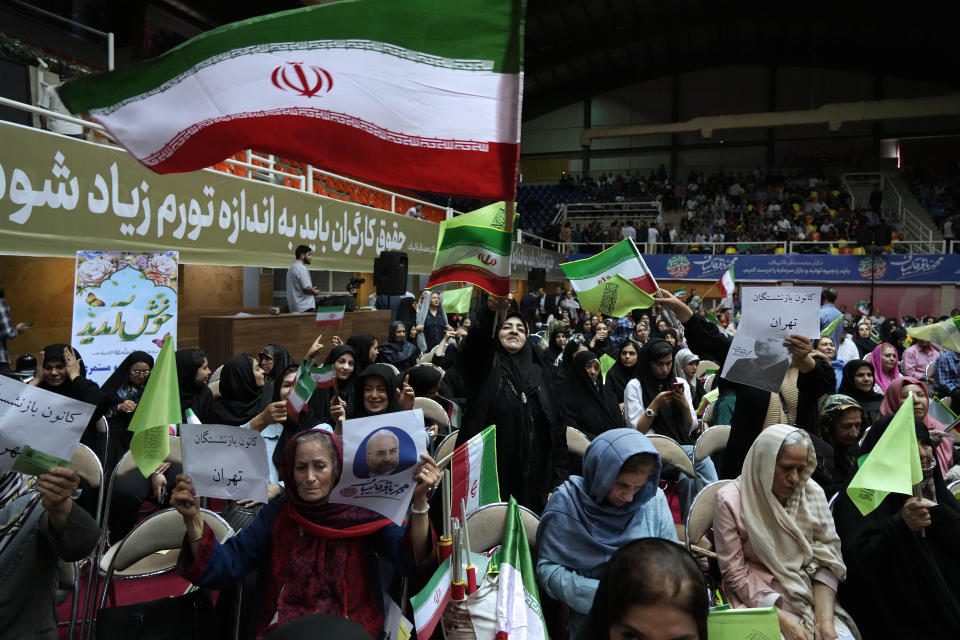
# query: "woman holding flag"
(508, 385)
(903, 578)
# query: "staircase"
(913, 222)
(911, 204)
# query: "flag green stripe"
(330, 309)
(489, 482)
(420, 599)
(603, 261)
(468, 236)
(489, 30)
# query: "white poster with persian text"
(380, 455)
(123, 302)
(44, 421)
(769, 315)
(225, 462)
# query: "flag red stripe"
(478, 276)
(460, 476)
(328, 323)
(347, 149)
(646, 283)
(434, 620)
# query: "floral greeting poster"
(123, 302)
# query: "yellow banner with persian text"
(59, 195)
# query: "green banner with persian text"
(59, 195)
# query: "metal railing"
(586, 211)
(261, 167)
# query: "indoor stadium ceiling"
(579, 48)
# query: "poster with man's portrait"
(758, 356)
(380, 456)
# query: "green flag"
(827, 330)
(892, 467)
(606, 363)
(159, 406)
(946, 333)
(615, 297)
(712, 318)
(457, 300)
(681, 292)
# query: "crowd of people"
(940, 195)
(750, 212)
(535, 366)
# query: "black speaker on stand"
(390, 273)
(536, 278)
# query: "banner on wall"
(57, 193)
(886, 269)
(123, 302)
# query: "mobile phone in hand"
(677, 386)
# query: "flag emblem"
(302, 79)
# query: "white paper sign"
(40, 419)
(225, 462)
(380, 454)
(769, 315)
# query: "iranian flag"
(323, 376)
(475, 248)
(428, 605)
(329, 316)
(419, 94)
(309, 378)
(622, 258)
(303, 387)
(726, 283)
(518, 603)
(473, 470)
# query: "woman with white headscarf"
(431, 322)
(685, 367)
(776, 541)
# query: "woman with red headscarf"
(895, 395)
(313, 556)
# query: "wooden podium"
(222, 337)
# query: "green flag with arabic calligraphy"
(159, 407)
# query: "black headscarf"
(406, 313)
(668, 418)
(80, 388)
(121, 375)
(864, 345)
(619, 375)
(291, 428)
(891, 570)
(587, 405)
(319, 402)
(553, 350)
(240, 397)
(887, 328)
(402, 354)
(424, 378)
(197, 398)
(390, 379)
(869, 400)
(282, 360)
(361, 343)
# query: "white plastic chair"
(671, 452)
(486, 526)
(700, 516)
(577, 441)
(710, 441)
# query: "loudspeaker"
(536, 278)
(390, 273)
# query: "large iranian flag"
(473, 472)
(622, 258)
(422, 94)
(518, 603)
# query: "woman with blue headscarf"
(617, 500)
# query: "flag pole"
(471, 568)
(446, 540)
